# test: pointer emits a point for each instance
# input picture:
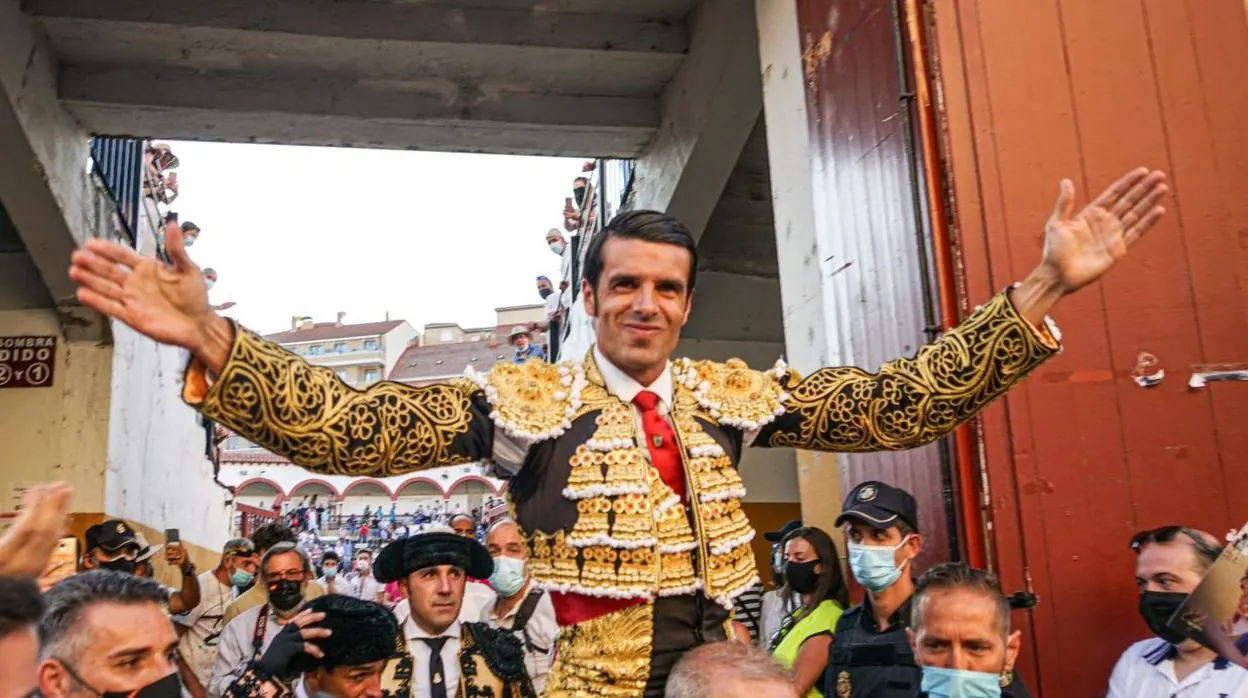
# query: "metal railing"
(118, 161)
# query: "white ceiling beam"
(396, 21)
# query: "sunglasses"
(1168, 534)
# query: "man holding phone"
(115, 545)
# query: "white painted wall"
(157, 473)
(394, 343)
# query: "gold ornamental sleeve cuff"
(1048, 334)
(198, 382)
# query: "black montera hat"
(881, 505)
(429, 549)
(362, 632)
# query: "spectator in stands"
(728, 670)
(106, 633)
(367, 585)
(333, 578)
(263, 538)
(20, 609)
(190, 232)
(114, 545)
(525, 348)
(200, 628)
(579, 186)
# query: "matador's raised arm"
(306, 413)
(912, 402)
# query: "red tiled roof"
(252, 456)
(328, 330)
(448, 359)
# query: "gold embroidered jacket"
(599, 519)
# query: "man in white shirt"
(332, 577)
(286, 573)
(519, 608)
(366, 585)
(449, 658)
(200, 629)
(1170, 562)
(356, 641)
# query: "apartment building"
(361, 354)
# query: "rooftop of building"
(434, 360)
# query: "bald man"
(729, 670)
(518, 607)
(1170, 562)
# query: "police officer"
(871, 655)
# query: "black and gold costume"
(598, 519)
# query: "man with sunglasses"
(1170, 562)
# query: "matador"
(622, 463)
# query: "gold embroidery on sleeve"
(912, 402)
(303, 412)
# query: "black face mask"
(285, 594)
(1157, 607)
(544, 292)
(168, 687)
(120, 565)
(801, 576)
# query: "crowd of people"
(556, 294)
(438, 613)
(629, 535)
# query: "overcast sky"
(427, 237)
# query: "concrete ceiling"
(553, 77)
(740, 236)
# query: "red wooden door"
(1081, 457)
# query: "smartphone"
(62, 564)
(172, 536)
(567, 201)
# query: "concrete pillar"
(709, 109)
(43, 182)
(804, 300)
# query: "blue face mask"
(956, 683)
(509, 576)
(241, 578)
(874, 566)
(330, 572)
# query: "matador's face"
(641, 303)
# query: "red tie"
(661, 440)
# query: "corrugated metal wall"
(1081, 457)
(854, 92)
